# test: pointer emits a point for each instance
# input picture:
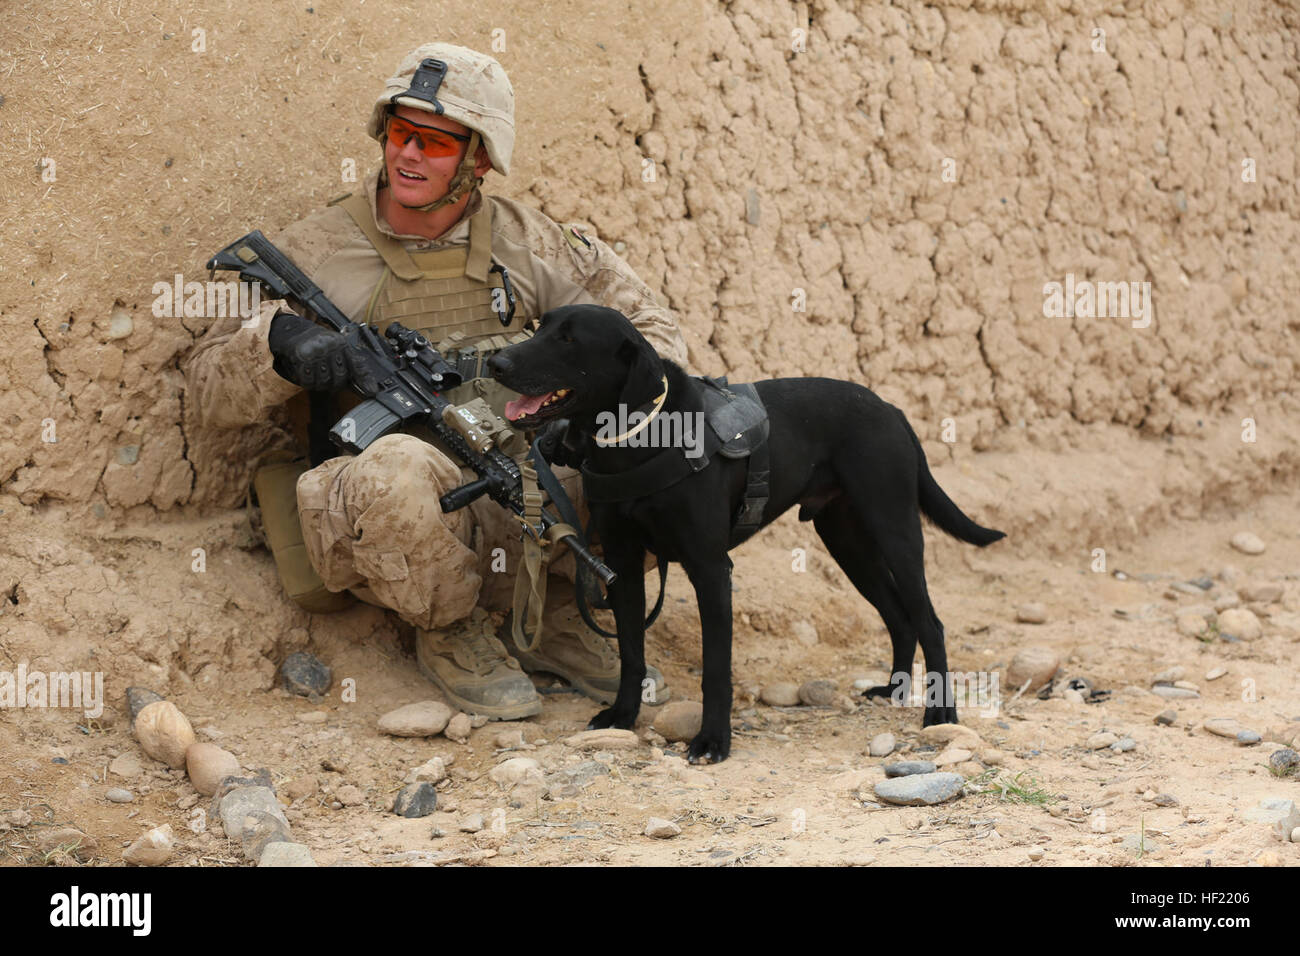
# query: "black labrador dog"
(849, 460)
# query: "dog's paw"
(713, 747)
(880, 690)
(612, 717)
(939, 715)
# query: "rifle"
(413, 375)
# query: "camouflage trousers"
(372, 525)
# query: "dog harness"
(736, 427)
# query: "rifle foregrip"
(458, 498)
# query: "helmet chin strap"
(461, 183)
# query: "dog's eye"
(566, 338)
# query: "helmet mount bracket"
(424, 84)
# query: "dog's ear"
(645, 372)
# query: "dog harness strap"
(662, 471)
(530, 581)
(757, 490)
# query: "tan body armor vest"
(449, 296)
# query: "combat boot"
(586, 660)
(470, 666)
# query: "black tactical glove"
(318, 359)
(558, 446)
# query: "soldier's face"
(414, 177)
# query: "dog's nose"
(499, 365)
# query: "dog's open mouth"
(527, 411)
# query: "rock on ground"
(922, 789)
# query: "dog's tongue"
(524, 405)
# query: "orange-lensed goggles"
(433, 142)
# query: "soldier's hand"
(320, 360)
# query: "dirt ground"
(798, 786)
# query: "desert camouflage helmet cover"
(475, 92)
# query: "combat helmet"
(461, 84)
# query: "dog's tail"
(940, 509)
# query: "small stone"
(1247, 738)
(187, 801)
(1295, 835)
(1191, 624)
(952, 755)
(1174, 693)
(954, 734)
(1123, 745)
(208, 765)
(164, 733)
(423, 719)
(817, 693)
(349, 795)
(127, 454)
(433, 770)
(805, 633)
(1247, 543)
(1186, 685)
(305, 674)
(1164, 800)
(1038, 665)
(1170, 674)
(1033, 613)
(1072, 695)
(1261, 593)
(416, 800)
(516, 771)
(478, 720)
(258, 829)
(152, 849)
(661, 829)
(16, 818)
(472, 823)
(1035, 855)
(119, 324)
(1223, 726)
(752, 212)
(313, 717)
(1276, 812)
(925, 789)
(1225, 602)
(882, 745)
(458, 728)
(1101, 740)
(243, 804)
(126, 765)
(1216, 673)
(608, 739)
(138, 698)
(1166, 718)
(511, 739)
(1241, 623)
(907, 768)
(780, 695)
(679, 720)
(279, 853)
(118, 795)
(67, 840)
(1284, 760)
